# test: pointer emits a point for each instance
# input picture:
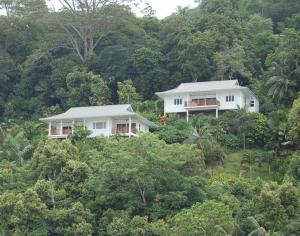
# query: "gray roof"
(203, 87)
(98, 111)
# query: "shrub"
(230, 140)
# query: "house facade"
(99, 120)
(212, 96)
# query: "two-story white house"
(100, 120)
(211, 96)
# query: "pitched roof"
(98, 111)
(203, 86)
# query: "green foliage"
(149, 185)
(86, 88)
(276, 204)
(127, 93)
(75, 220)
(80, 133)
(137, 226)
(207, 218)
(230, 141)
(250, 127)
(294, 131)
(147, 64)
(294, 168)
(52, 156)
(176, 131)
(23, 214)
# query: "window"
(252, 103)
(99, 125)
(177, 101)
(230, 98)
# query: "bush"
(230, 141)
(176, 131)
(294, 168)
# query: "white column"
(108, 128)
(49, 129)
(217, 113)
(187, 115)
(84, 124)
(73, 122)
(129, 126)
(187, 99)
(61, 127)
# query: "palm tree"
(281, 84)
(202, 135)
(15, 147)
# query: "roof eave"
(193, 91)
(146, 121)
(250, 91)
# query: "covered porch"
(202, 102)
(123, 126)
(61, 129)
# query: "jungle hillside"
(237, 175)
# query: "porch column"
(217, 113)
(84, 124)
(49, 129)
(73, 122)
(108, 128)
(129, 126)
(61, 127)
(187, 115)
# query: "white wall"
(226, 105)
(256, 104)
(97, 132)
(241, 100)
(170, 107)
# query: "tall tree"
(86, 88)
(284, 69)
(84, 23)
(127, 92)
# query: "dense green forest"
(235, 175)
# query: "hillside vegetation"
(235, 175)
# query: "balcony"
(203, 102)
(124, 130)
(60, 133)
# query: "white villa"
(212, 96)
(100, 120)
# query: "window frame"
(177, 101)
(230, 98)
(101, 123)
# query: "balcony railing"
(124, 130)
(203, 102)
(57, 132)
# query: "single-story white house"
(208, 96)
(100, 120)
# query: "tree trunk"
(142, 193)
(52, 196)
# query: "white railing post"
(49, 129)
(108, 128)
(129, 126)
(61, 127)
(73, 122)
